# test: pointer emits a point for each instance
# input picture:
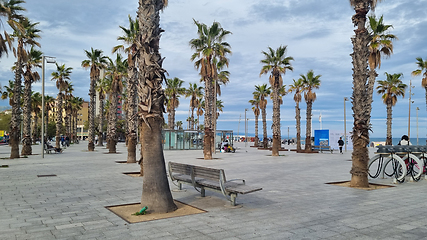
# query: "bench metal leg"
(202, 191)
(233, 199)
(179, 186)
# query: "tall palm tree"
(10, 10)
(276, 63)
(25, 36)
(68, 96)
(76, 106)
(8, 92)
(173, 91)
(210, 50)
(380, 45)
(255, 103)
(262, 92)
(156, 193)
(36, 102)
(33, 60)
(61, 76)
(101, 88)
(199, 111)
(361, 98)
(422, 66)
(194, 92)
(116, 71)
(391, 88)
(129, 39)
(96, 61)
(49, 102)
(310, 82)
(298, 88)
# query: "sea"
(413, 140)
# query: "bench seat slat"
(240, 188)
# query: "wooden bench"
(48, 149)
(322, 148)
(213, 179)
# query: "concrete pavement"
(295, 202)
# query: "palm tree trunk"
(101, 122)
(173, 117)
(132, 111)
(298, 119)
(192, 119)
(209, 134)
(58, 121)
(256, 143)
(112, 123)
(308, 127)
(91, 133)
(360, 98)
(388, 140)
(264, 127)
(16, 113)
(26, 138)
(36, 119)
(276, 119)
(156, 193)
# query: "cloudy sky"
(317, 34)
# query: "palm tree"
(210, 50)
(10, 10)
(25, 36)
(173, 91)
(156, 193)
(298, 88)
(116, 71)
(262, 92)
(36, 102)
(200, 111)
(381, 44)
(219, 107)
(422, 66)
(101, 88)
(68, 96)
(76, 104)
(34, 58)
(391, 88)
(96, 61)
(361, 98)
(8, 92)
(61, 76)
(276, 62)
(310, 82)
(179, 125)
(194, 92)
(49, 102)
(130, 39)
(255, 103)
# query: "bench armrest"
(234, 180)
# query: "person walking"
(340, 144)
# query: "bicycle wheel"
(389, 167)
(375, 165)
(415, 166)
(400, 168)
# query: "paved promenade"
(295, 202)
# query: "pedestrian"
(96, 139)
(404, 140)
(340, 144)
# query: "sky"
(317, 35)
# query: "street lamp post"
(345, 126)
(246, 129)
(48, 60)
(417, 123)
(410, 102)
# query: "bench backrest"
(198, 171)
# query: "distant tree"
(61, 76)
(310, 82)
(195, 93)
(255, 103)
(298, 88)
(276, 63)
(96, 61)
(422, 66)
(391, 88)
(262, 92)
(173, 91)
